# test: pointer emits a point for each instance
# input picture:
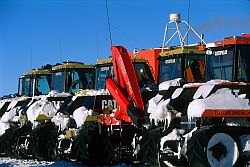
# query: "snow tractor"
(207, 123)
(31, 84)
(223, 135)
(67, 79)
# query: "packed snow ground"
(8, 162)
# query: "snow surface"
(167, 84)
(221, 99)
(177, 93)
(12, 104)
(91, 92)
(2, 102)
(187, 137)
(161, 112)
(61, 120)
(8, 162)
(157, 107)
(174, 135)
(42, 106)
(80, 115)
(55, 93)
(3, 127)
(245, 142)
(6, 118)
(152, 103)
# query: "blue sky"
(31, 30)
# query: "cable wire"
(110, 35)
(188, 17)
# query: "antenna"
(31, 56)
(97, 45)
(222, 28)
(110, 37)
(188, 16)
(60, 47)
(176, 20)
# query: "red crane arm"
(125, 87)
(125, 73)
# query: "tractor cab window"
(243, 73)
(88, 78)
(220, 64)
(25, 86)
(101, 74)
(43, 85)
(144, 75)
(72, 81)
(58, 78)
(194, 68)
(170, 69)
(82, 78)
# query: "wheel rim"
(222, 150)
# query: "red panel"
(151, 55)
(233, 41)
(227, 113)
(121, 99)
(127, 73)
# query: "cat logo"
(106, 103)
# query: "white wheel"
(222, 150)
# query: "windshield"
(144, 75)
(244, 62)
(58, 81)
(170, 69)
(82, 78)
(43, 84)
(25, 86)
(101, 74)
(72, 80)
(220, 64)
(194, 68)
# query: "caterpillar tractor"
(39, 139)
(30, 86)
(67, 79)
(207, 123)
(223, 134)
